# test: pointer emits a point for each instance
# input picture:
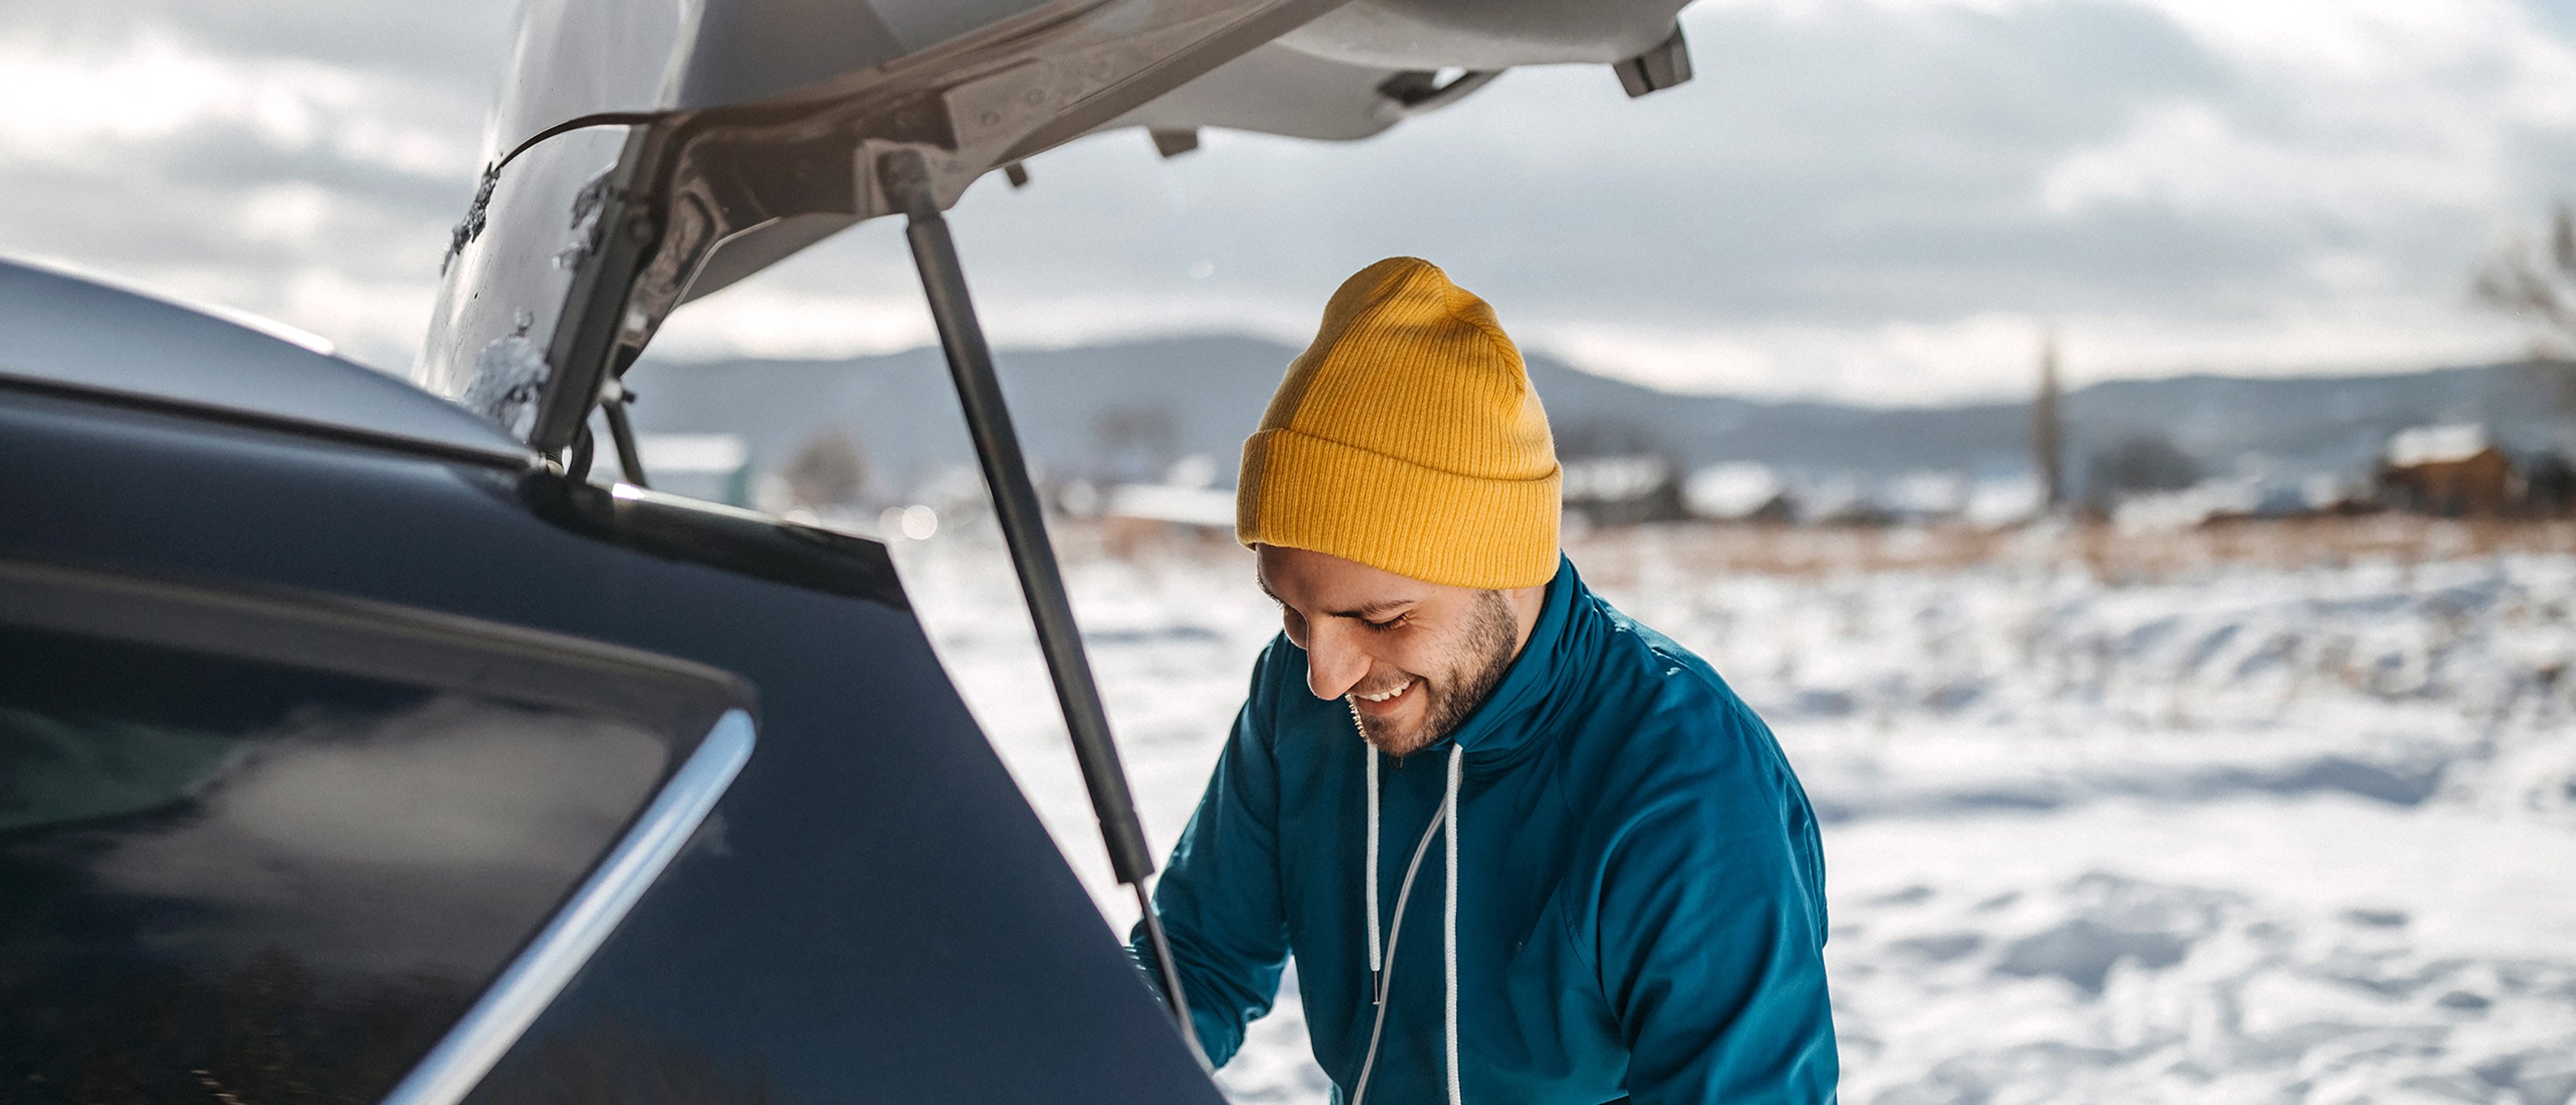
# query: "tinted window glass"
(226, 879)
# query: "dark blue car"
(355, 745)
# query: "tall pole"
(2048, 428)
(1015, 504)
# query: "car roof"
(81, 335)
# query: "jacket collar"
(1520, 714)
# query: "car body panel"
(60, 330)
(511, 272)
(575, 58)
(871, 911)
(1484, 34)
(565, 277)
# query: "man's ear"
(1527, 602)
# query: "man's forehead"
(1328, 581)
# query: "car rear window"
(227, 874)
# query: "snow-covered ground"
(2238, 834)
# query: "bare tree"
(1135, 443)
(827, 471)
(2139, 462)
(2048, 426)
(2536, 282)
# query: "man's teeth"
(1385, 695)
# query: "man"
(1631, 903)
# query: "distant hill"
(1131, 410)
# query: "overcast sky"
(1882, 200)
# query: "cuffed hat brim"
(1306, 492)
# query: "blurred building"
(1206, 508)
(2006, 501)
(714, 467)
(2211, 500)
(2448, 470)
(1841, 499)
(1923, 496)
(1738, 492)
(1623, 490)
(2549, 484)
(1186, 498)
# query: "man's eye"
(1388, 624)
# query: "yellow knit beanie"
(1407, 438)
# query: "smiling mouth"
(1386, 696)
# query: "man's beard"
(1488, 648)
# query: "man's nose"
(1333, 663)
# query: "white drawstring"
(1449, 943)
(1447, 816)
(1372, 863)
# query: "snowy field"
(2232, 833)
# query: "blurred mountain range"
(1134, 411)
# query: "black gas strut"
(1015, 503)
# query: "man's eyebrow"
(1371, 611)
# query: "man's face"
(1412, 658)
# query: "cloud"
(1861, 198)
(1877, 200)
(178, 148)
(758, 320)
(1822, 359)
(2365, 109)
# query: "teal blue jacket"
(1641, 908)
